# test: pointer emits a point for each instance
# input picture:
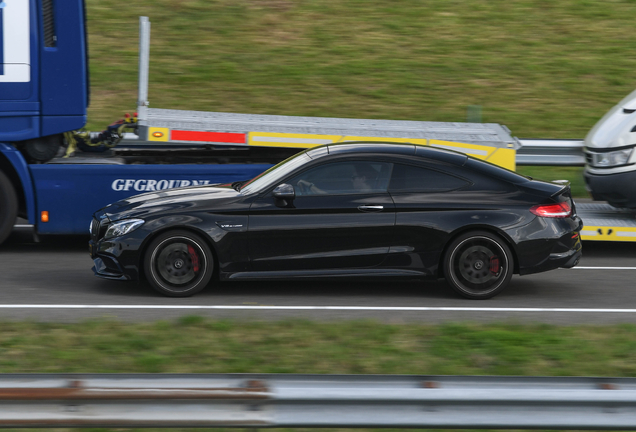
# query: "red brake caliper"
(194, 257)
(494, 265)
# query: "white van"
(610, 165)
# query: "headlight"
(120, 228)
(609, 159)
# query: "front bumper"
(116, 258)
(113, 262)
(617, 189)
(102, 270)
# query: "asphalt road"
(52, 281)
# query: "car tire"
(178, 263)
(478, 265)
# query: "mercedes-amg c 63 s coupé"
(362, 210)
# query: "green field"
(545, 69)
(197, 345)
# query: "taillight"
(560, 210)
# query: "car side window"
(338, 178)
(409, 178)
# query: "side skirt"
(333, 273)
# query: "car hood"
(171, 200)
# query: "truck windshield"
(275, 173)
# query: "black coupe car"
(345, 210)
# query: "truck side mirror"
(284, 194)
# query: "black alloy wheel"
(478, 265)
(178, 263)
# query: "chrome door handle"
(370, 208)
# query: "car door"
(332, 223)
(427, 203)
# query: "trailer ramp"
(186, 129)
(603, 222)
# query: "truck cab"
(43, 74)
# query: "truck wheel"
(478, 265)
(178, 264)
(42, 149)
(8, 207)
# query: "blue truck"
(53, 176)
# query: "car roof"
(389, 148)
(372, 147)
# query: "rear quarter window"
(409, 178)
(496, 171)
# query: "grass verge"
(197, 345)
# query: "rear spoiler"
(561, 182)
(565, 186)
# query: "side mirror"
(284, 192)
(284, 195)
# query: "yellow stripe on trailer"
(604, 233)
(506, 158)
(503, 157)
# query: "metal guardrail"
(556, 152)
(265, 400)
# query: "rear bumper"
(557, 260)
(563, 251)
(568, 259)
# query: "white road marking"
(316, 308)
(601, 268)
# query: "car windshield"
(275, 173)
